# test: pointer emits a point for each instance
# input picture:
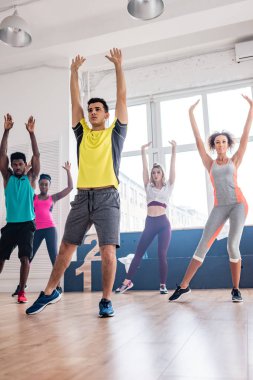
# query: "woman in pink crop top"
(158, 191)
(43, 206)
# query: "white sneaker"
(123, 288)
(163, 289)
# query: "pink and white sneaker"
(123, 288)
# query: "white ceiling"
(63, 28)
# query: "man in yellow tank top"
(97, 201)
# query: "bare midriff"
(156, 211)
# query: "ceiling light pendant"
(145, 9)
(14, 31)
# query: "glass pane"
(245, 180)
(132, 195)
(175, 120)
(188, 205)
(228, 111)
(137, 133)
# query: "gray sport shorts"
(100, 207)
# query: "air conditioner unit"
(244, 51)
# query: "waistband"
(163, 216)
(111, 189)
(18, 223)
(155, 203)
(93, 194)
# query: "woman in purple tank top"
(43, 207)
(158, 191)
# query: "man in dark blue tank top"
(19, 189)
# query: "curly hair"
(228, 135)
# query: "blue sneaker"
(43, 301)
(59, 289)
(236, 295)
(105, 308)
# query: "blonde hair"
(157, 166)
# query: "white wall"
(204, 70)
(44, 93)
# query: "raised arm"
(206, 159)
(4, 161)
(28, 167)
(56, 197)
(77, 109)
(172, 162)
(238, 156)
(145, 163)
(35, 161)
(121, 106)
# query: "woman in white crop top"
(158, 191)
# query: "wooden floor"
(206, 337)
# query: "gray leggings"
(236, 214)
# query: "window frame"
(154, 128)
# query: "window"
(245, 180)
(192, 196)
(175, 120)
(227, 110)
(131, 182)
(131, 179)
(137, 127)
(188, 203)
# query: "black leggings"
(50, 235)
